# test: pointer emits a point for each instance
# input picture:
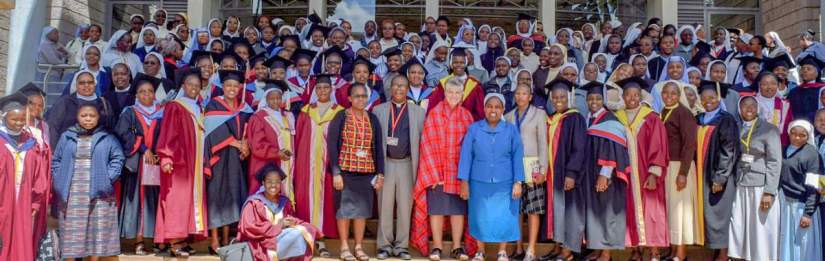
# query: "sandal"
(478, 257)
(529, 257)
(189, 249)
(178, 252)
(359, 253)
(459, 254)
(140, 249)
(322, 250)
(346, 255)
(502, 256)
(435, 254)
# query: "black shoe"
(403, 254)
(518, 256)
(382, 254)
(548, 256)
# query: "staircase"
(369, 244)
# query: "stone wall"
(66, 15)
(790, 18)
(4, 47)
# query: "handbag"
(150, 175)
(236, 252)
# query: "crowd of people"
(612, 136)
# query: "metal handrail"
(49, 68)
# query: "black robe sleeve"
(728, 148)
(127, 131)
(577, 140)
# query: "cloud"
(357, 12)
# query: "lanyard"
(747, 140)
(520, 117)
(670, 111)
(396, 120)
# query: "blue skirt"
(796, 243)
(493, 213)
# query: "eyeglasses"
(359, 96)
(86, 82)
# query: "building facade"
(788, 18)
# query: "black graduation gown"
(655, 67)
(568, 206)
(804, 100)
(138, 207)
(605, 211)
(226, 188)
(721, 152)
(63, 114)
(119, 100)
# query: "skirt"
(534, 199)
(138, 207)
(681, 206)
(88, 227)
(355, 201)
(441, 203)
(796, 243)
(754, 235)
(492, 212)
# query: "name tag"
(361, 154)
(747, 158)
(392, 141)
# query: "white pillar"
(431, 9)
(547, 15)
(201, 11)
(26, 17)
(319, 7)
(667, 10)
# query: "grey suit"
(766, 150)
(399, 178)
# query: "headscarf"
(275, 113)
(257, 33)
(49, 49)
(808, 128)
(565, 66)
(678, 35)
(438, 44)
(166, 16)
(777, 40)
(582, 80)
(515, 80)
(596, 32)
(226, 27)
(602, 74)
(209, 27)
(532, 27)
(633, 58)
(499, 96)
(73, 85)
(631, 36)
(683, 98)
(112, 44)
(83, 64)
(176, 33)
(482, 45)
(141, 44)
(710, 65)
(161, 72)
(676, 59)
(554, 39)
(458, 42)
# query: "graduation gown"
(566, 151)
(226, 187)
(119, 100)
(63, 114)
(293, 99)
(606, 211)
(423, 97)
(138, 208)
(313, 178)
(261, 226)
(716, 155)
(339, 92)
(647, 210)
(472, 99)
(25, 183)
(267, 136)
(804, 100)
(182, 198)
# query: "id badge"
(361, 154)
(747, 158)
(392, 141)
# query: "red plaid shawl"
(440, 150)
